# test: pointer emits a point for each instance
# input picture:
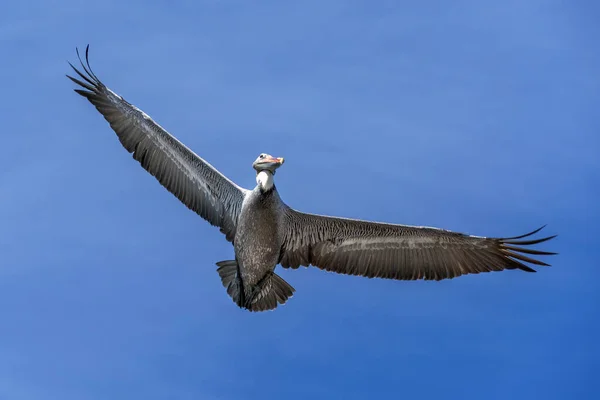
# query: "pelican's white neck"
(265, 180)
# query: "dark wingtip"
(513, 248)
(84, 93)
(528, 242)
(526, 234)
(87, 75)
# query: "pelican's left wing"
(195, 182)
(379, 250)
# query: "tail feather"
(266, 295)
(270, 291)
(230, 278)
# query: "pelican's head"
(265, 166)
(266, 162)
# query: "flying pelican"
(265, 232)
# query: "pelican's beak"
(274, 160)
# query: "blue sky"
(480, 117)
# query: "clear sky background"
(475, 116)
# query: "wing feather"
(402, 252)
(195, 182)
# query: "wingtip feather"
(526, 234)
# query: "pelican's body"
(265, 232)
(258, 241)
(258, 238)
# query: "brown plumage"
(379, 250)
(266, 232)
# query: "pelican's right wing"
(195, 182)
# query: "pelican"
(265, 232)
